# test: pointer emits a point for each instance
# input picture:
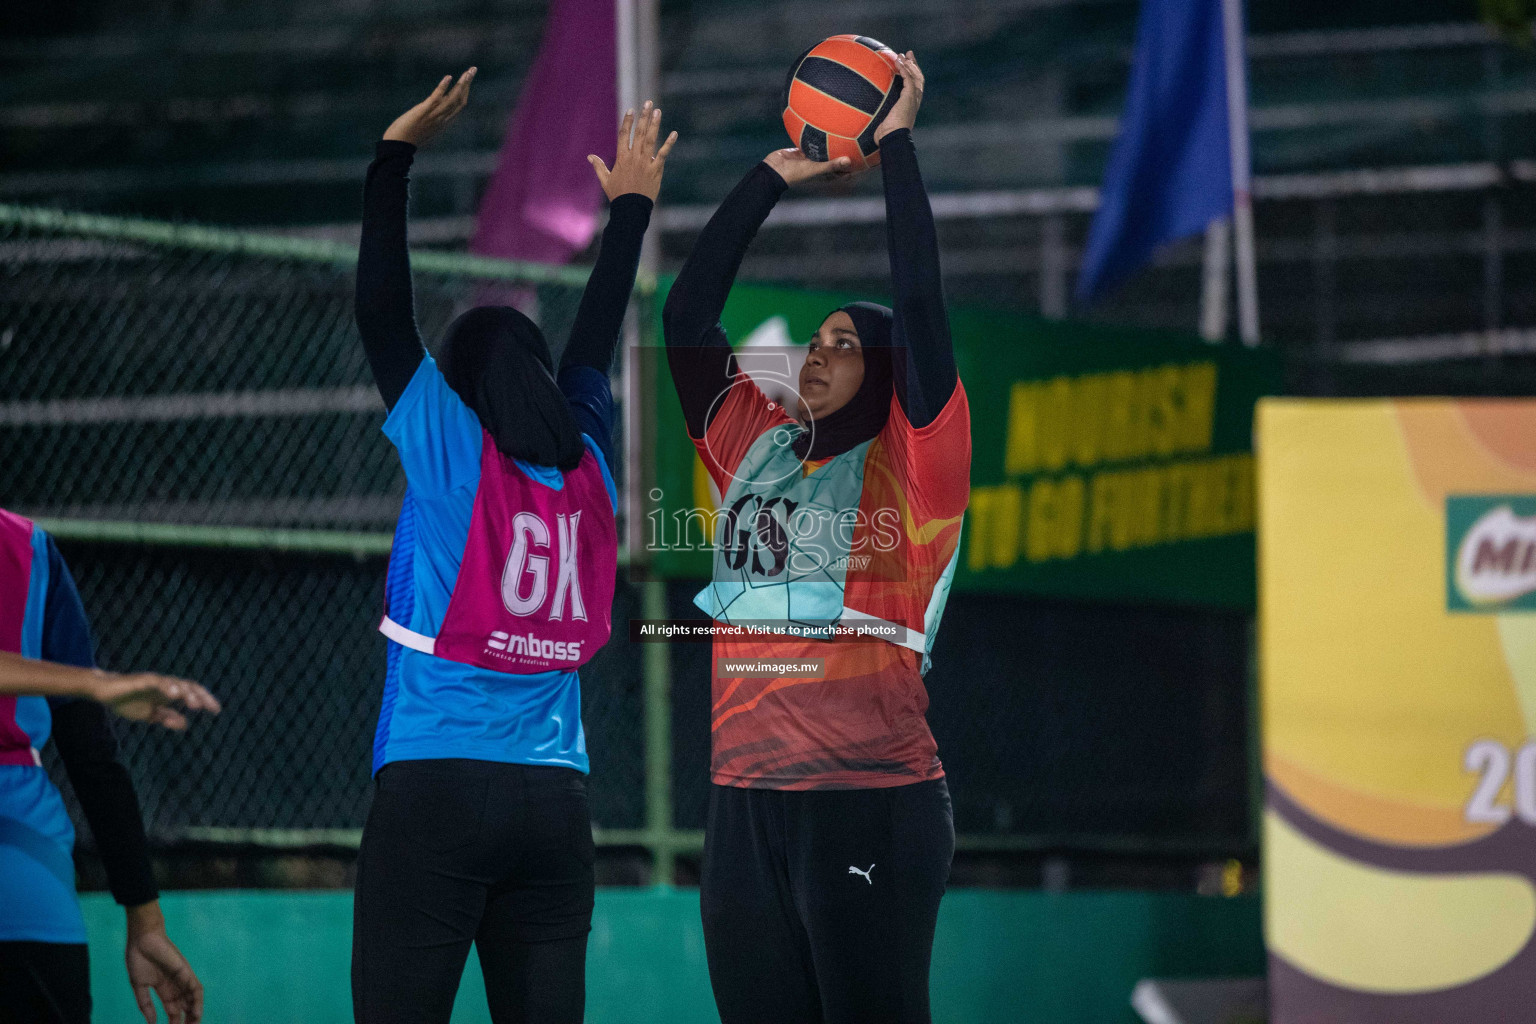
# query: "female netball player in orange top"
(830, 831)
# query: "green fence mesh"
(176, 375)
(288, 642)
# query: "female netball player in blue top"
(500, 584)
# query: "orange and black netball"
(836, 94)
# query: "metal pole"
(627, 72)
(1493, 262)
(1325, 287)
(658, 661)
(1242, 172)
(657, 674)
(1215, 271)
(635, 26)
(624, 54)
(636, 22)
(1053, 266)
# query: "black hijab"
(866, 412)
(497, 361)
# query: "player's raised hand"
(904, 113)
(638, 164)
(423, 121)
(796, 168)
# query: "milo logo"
(1490, 543)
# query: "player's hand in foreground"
(422, 122)
(155, 964)
(638, 164)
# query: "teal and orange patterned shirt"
(866, 539)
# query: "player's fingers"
(624, 131)
(195, 1014)
(460, 94)
(666, 147)
(601, 169)
(176, 997)
(146, 1002)
(652, 129)
(642, 139)
(189, 992)
(168, 718)
(154, 689)
(439, 92)
(197, 698)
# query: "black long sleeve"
(88, 749)
(698, 352)
(385, 311)
(600, 317)
(101, 782)
(926, 378)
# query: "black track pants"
(44, 983)
(819, 907)
(458, 852)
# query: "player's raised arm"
(925, 379)
(631, 185)
(698, 352)
(385, 312)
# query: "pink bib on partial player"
(15, 584)
(535, 586)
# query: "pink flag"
(543, 201)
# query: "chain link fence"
(288, 642)
(180, 375)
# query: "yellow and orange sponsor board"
(1397, 601)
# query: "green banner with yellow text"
(1107, 463)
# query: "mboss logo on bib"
(1490, 552)
(533, 647)
(526, 586)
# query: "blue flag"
(1170, 172)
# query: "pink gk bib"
(15, 582)
(535, 586)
